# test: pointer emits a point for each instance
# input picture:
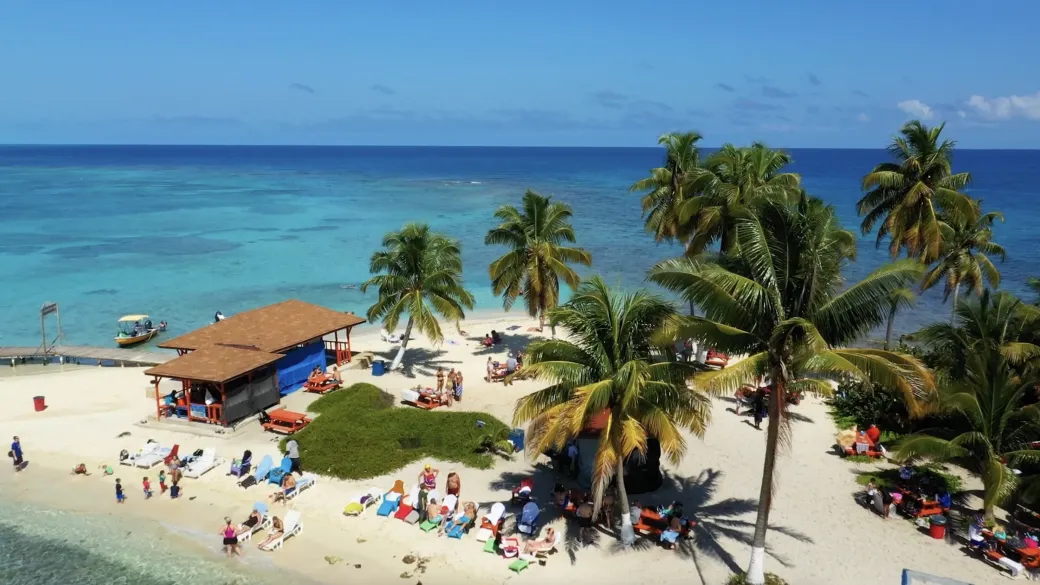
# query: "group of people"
(319, 377)
(174, 488)
(452, 390)
(490, 339)
(232, 533)
(498, 370)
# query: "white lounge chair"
(154, 458)
(291, 526)
(489, 523)
(389, 337)
(302, 484)
(201, 464)
(360, 503)
(148, 449)
(265, 522)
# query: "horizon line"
(529, 147)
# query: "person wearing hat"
(428, 478)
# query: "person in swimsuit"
(453, 485)
(491, 369)
(120, 496)
(537, 546)
(288, 485)
(255, 517)
(440, 380)
(458, 385)
(274, 533)
(230, 538)
(449, 390)
(428, 478)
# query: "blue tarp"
(294, 368)
(916, 578)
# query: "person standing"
(490, 370)
(230, 534)
(458, 385)
(292, 451)
(120, 496)
(759, 405)
(16, 454)
(440, 381)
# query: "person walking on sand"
(147, 487)
(490, 370)
(17, 457)
(292, 451)
(120, 496)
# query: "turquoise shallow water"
(41, 546)
(181, 232)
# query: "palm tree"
(902, 298)
(537, 261)
(610, 364)
(732, 180)
(418, 272)
(1034, 284)
(908, 196)
(993, 322)
(778, 302)
(665, 188)
(964, 260)
(994, 426)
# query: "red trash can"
(937, 527)
(39, 403)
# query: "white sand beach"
(820, 535)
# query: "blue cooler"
(516, 437)
(378, 367)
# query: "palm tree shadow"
(420, 361)
(716, 519)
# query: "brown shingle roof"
(272, 328)
(217, 363)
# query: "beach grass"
(933, 473)
(361, 434)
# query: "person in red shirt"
(874, 434)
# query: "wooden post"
(223, 401)
(158, 407)
(348, 345)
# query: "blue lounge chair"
(389, 505)
(279, 472)
(528, 523)
(457, 530)
(261, 473)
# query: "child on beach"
(120, 497)
(147, 486)
(162, 481)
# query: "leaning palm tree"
(782, 302)
(419, 273)
(609, 365)
(732, 180)
(665, 188)
(537, 260)
(994, 426)
(965, 260)
(900, 299)
(907, 196)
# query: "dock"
(83, 355)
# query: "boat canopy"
(133, 318)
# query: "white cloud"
(1004, 108)
(916, 108)
(863, 117)
(962, 114)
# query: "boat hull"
(127, 341)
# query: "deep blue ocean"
(180, 232)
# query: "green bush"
(853, 404)
(361, 435)
(771, 579)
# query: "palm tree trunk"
(628, 534)
(404, 344)
(692, 313)
(541, 320)
(888, 330)
(953, 311)
(756, 569)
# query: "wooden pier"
(84, 355)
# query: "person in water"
(230, 534)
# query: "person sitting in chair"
(288, 486)
(544, 545)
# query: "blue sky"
(603, 73)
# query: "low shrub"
(855, 404)
(931, 473)
(361, 435)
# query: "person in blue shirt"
(945, 500)
(16, 454)
(120, 497)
